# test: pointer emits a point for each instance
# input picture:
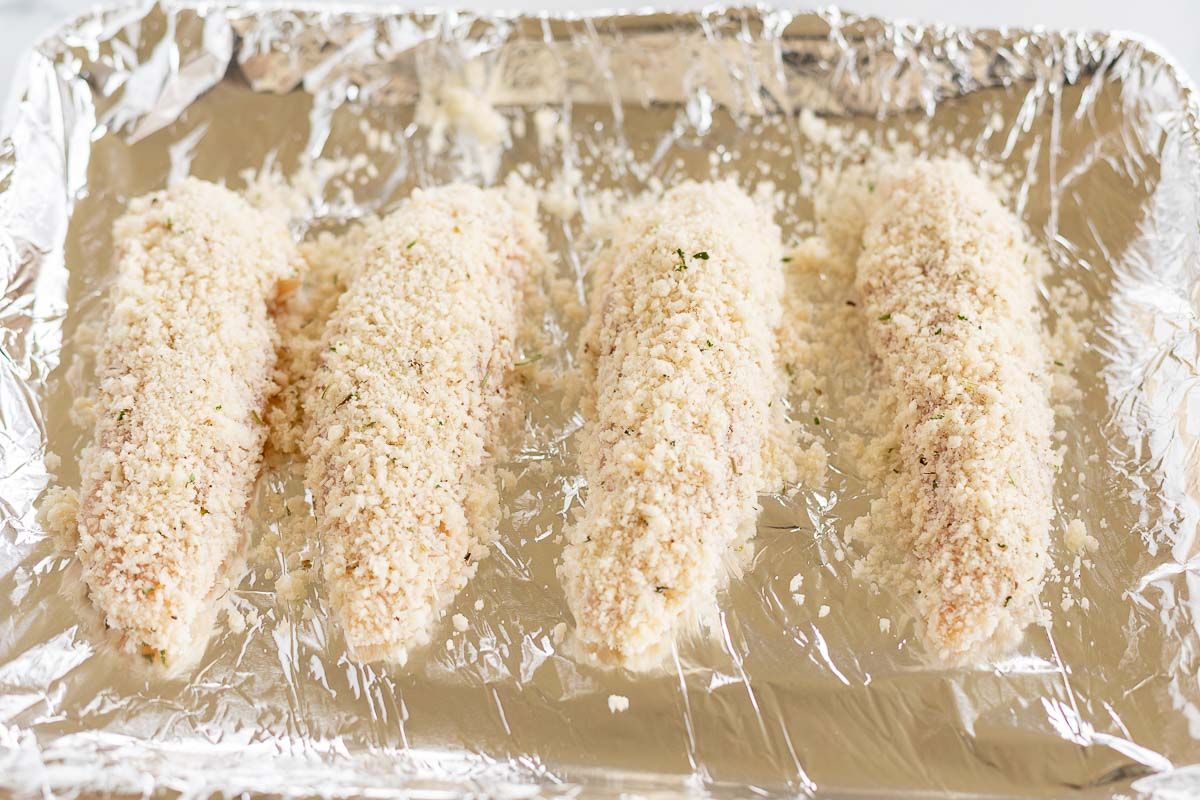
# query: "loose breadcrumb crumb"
(617, 703)
(59, 517)
(235, 620)
(293, 587)
(184, 376)
(402, 410)
(1078, 540)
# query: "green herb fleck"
(682, 265)
(532, 359)
(349, 397)
(816, 420)
(786, 259)
(170, 224)
(851, 303)
(1007, 600)
(884, 317)
(702, 255)
(964, 318)
(1058, 363)
(254, 415)
(938, 416)
(148, 591)
(938, 332)
(121, 416)
(661, 589)
(219, 407)
(203, 511)
(411, 244)
(870, 187)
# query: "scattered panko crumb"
(795, 583)
(83, 412)
(558, 633)
(618, 703)
(461, 624)
(823, 611)
(293, 586)
(885, 624)
(234, 619)
(1078, 540)
(462, 103)
(798, 599)
(560, 198)
(551, 130)
(479, 604)
(59, 517)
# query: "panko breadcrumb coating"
(184, 375)
(679, 373)
(329, 263)
(403, 409)
(949, 301)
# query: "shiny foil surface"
(1102, 137)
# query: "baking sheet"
(1100, 136)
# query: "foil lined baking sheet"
(1101, 135)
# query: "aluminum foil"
(1102, 137)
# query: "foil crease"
(1105, 131)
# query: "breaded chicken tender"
(679, 372)
(950, 308)
(403, 410)
(184, 376)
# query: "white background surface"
(1175, 24)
